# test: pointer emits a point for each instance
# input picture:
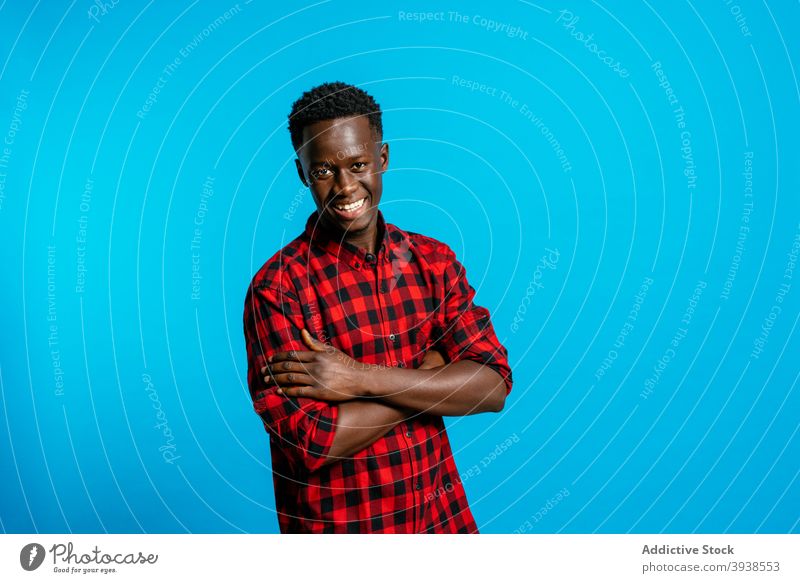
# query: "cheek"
(373, 185)
(320, 194)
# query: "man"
(360, 337)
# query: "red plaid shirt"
(385, 309)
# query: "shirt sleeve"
(304, 428)
(468, 333)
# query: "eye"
(359, 165)
(321, 173)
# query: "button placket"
(382, 302)
(381, 273)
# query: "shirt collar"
(346, 252)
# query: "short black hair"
(332, 101)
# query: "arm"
(477, 378)
(458, 388)
(313, 433)
(303, 428)
(362, 422)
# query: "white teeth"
(352, 206)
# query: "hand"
(433, 358)
(323, 372)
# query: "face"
(342, 164)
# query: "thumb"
(311, 342)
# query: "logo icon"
(31, 556)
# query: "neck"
(365, 239)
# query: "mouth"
(351, 210)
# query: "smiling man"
(360, 337)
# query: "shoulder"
(276, 272)
(438, 256)
(436, 252)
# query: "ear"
(300, 173)
(384, 156)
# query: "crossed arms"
(372, 400)
(324, 405)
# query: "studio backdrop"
(619, 180)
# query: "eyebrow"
(332, 162)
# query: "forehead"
(324, 139)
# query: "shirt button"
(370, 257)
(384, 287)
(418, 485)
(408, 434)
(392, 337)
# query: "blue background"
(558, 151)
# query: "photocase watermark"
(31, 556)
(8, 140)
(99, 9)
(537, 121)
(680, 121)
(539, 515)
(548, 261)
(206, 194)
(677, 339)
(476, 469)
(183, 53)
(84, 206)
(489, 24)
(297, 200)
(569, 22)
(404, 16)
(97, 561)
(167, 449)
(688, 158)
(744, 227)
(780, 294)
(52, 323)
(478, 20)
(155, 90)
(544, 130)
(741, 20)
(627, 328)
(476, 86)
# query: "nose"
(346, 184)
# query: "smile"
(352, 206)
(351, 210)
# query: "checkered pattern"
(387, 309)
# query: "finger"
(301, 391)
(292, 378)
(283, 366)
(312, 342)
(286, 366)
(293, 355)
